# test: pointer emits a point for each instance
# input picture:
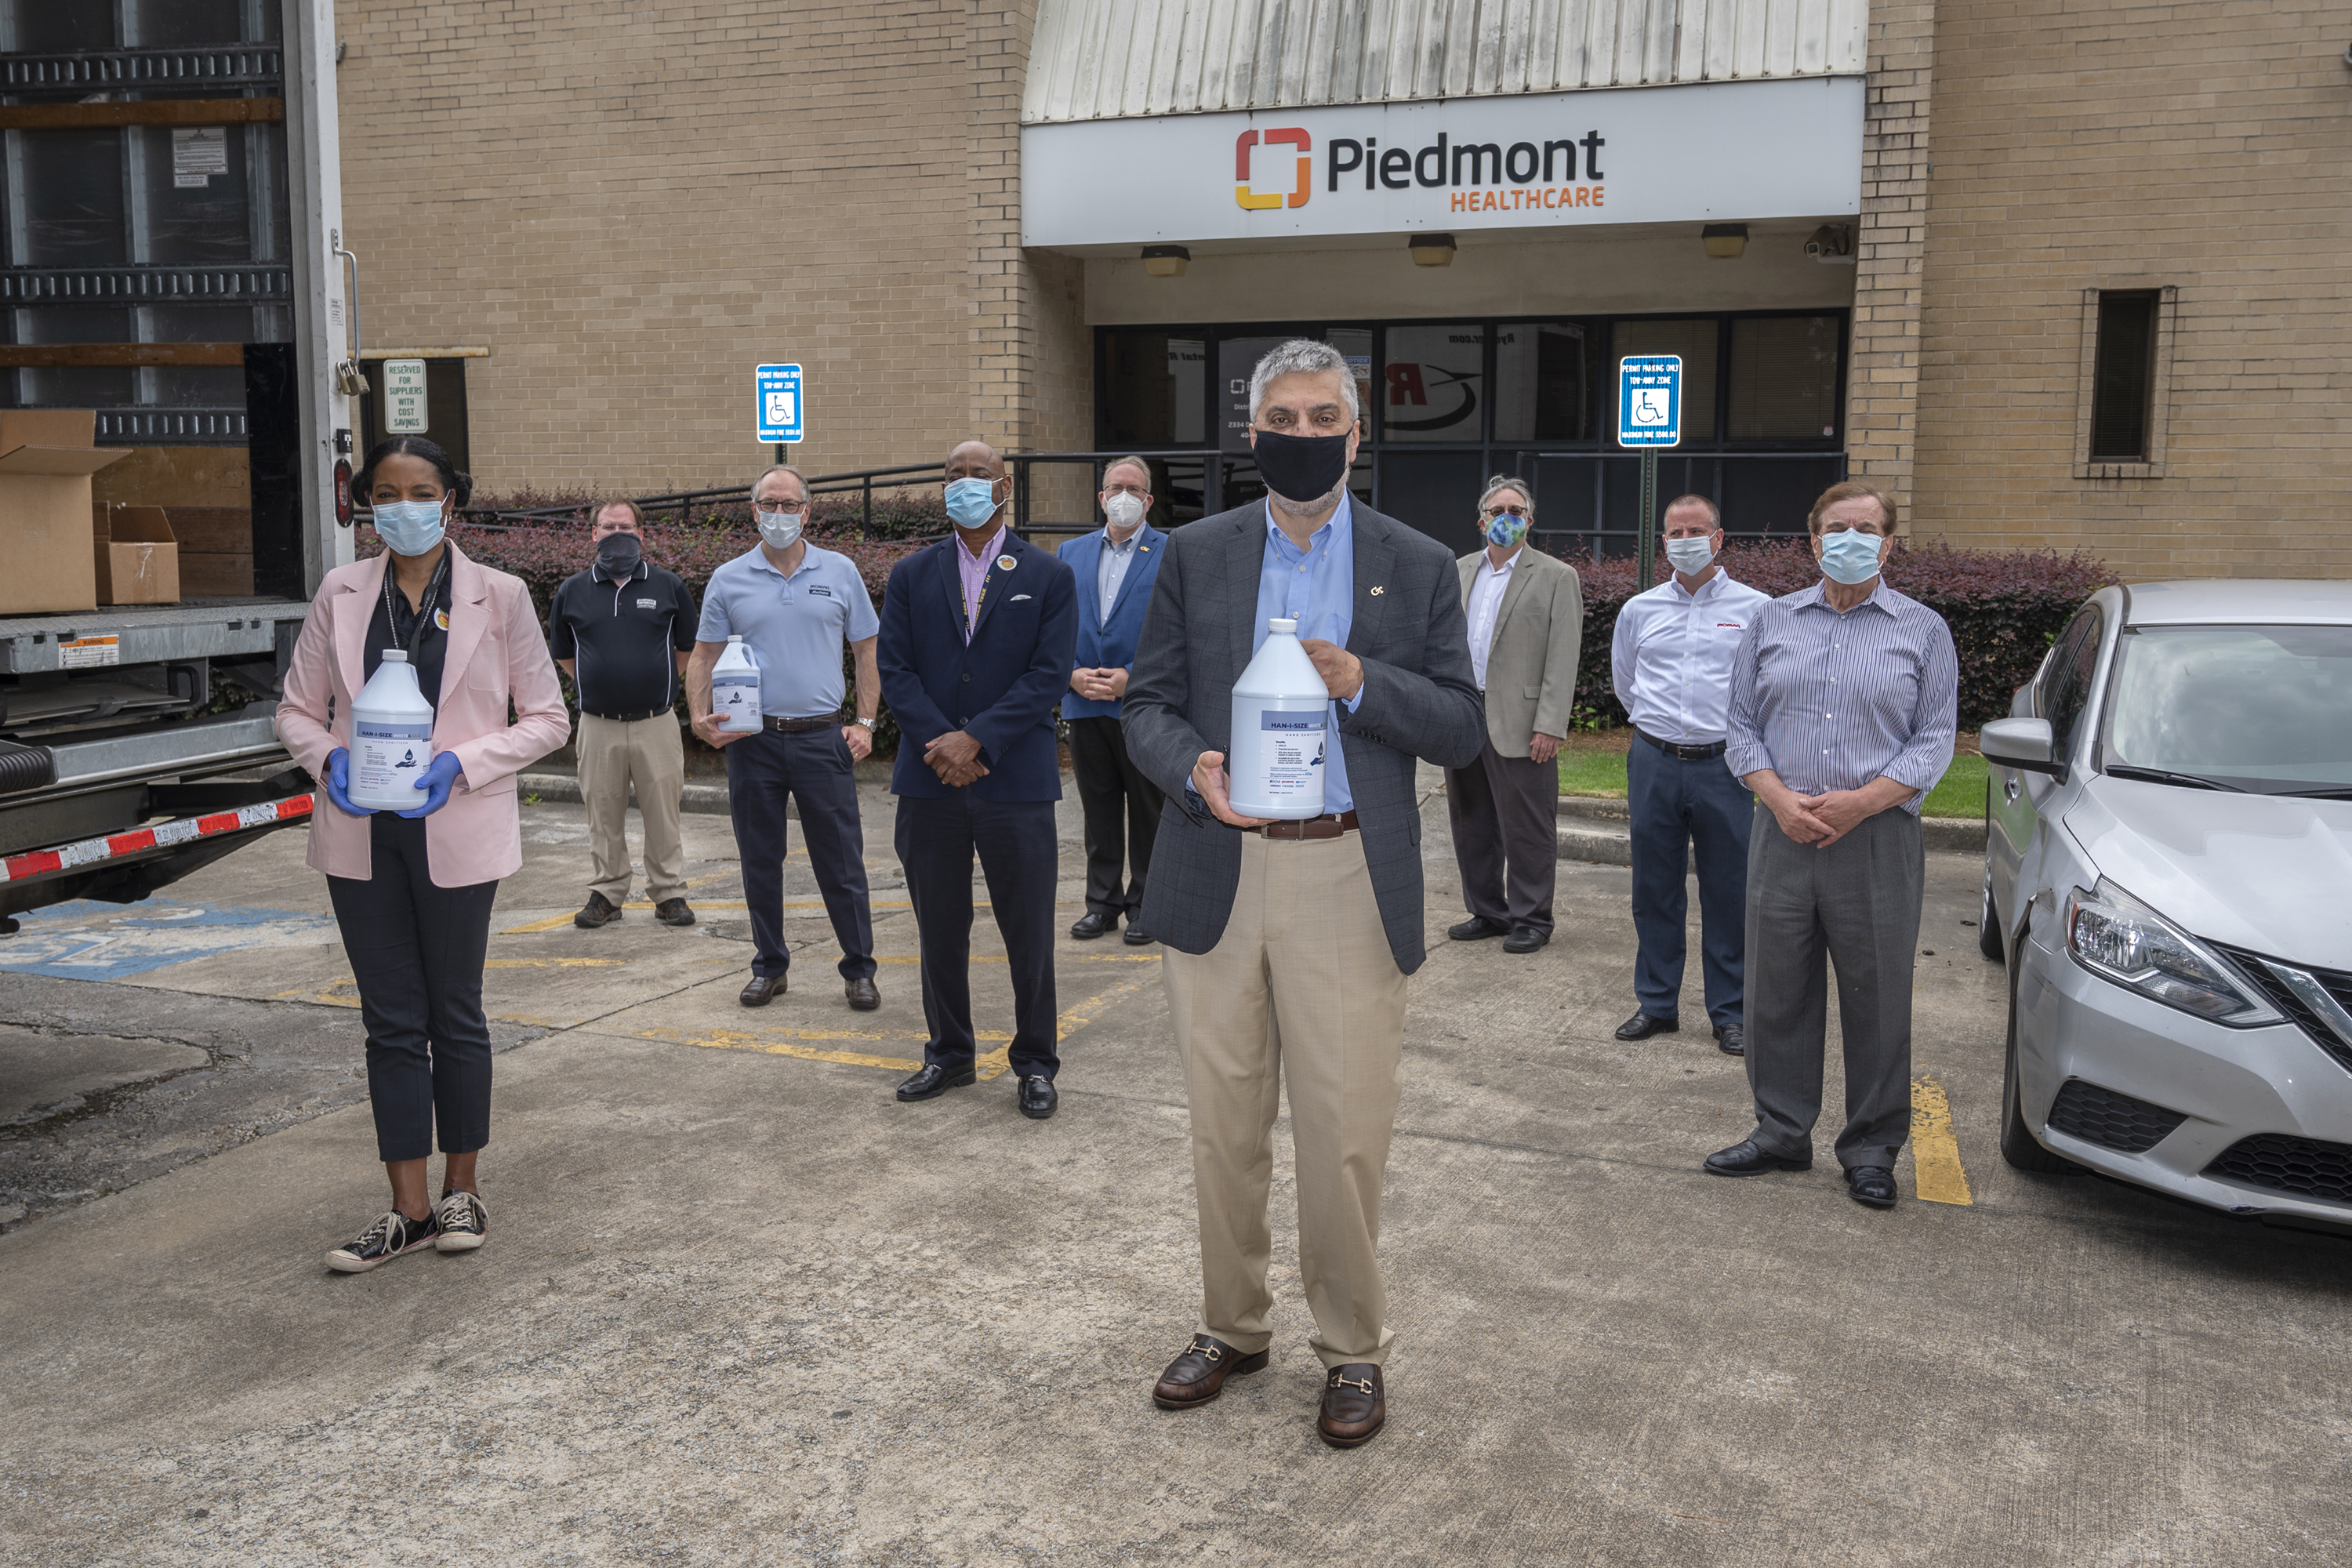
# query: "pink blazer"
(496, 653)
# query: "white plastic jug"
(1281, 714)
(392, 737)
(735, 690)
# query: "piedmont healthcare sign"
(1702, 153)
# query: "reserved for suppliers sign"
(1702, 153)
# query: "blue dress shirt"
(1316, 588)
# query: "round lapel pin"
(1004, 562)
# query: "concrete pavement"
(739, 1306)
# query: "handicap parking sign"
(1650, 400)
(776, 390)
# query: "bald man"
(978, 635)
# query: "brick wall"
(1883, 359)
(2105, 144)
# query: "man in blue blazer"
(978, 633)
(1115, 569)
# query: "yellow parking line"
(1934, 1153)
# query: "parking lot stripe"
(1934, 1153)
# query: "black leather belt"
(627, 718)
(801, 726)
(1325, 826)
(1687, 754)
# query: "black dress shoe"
(1135, 936)
(762, 990)
(1870, 1185)
(1477, 928)
(935, 1080)
(1641, 1027)
(862, 994)
(1092, 925)
(1037, 1096)
(1747, 1158)
(674, 912)
(1354, 1405)
(598, 910)
(1198, 1375)
(1731, 1039)
(1525, 939)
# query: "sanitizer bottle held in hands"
(735, 690)
(1281, 714)
(392, 737)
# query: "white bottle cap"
(395, 656)
(1278, 624)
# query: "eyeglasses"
(1492, 512)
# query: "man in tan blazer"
(1526, 621)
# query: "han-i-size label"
(387, 757)
(1292, 750)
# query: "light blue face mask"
(970, 502)
(1850, 556)
(409, 527)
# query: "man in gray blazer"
(1527, 624)
(1290, 942)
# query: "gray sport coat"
(1418, 700)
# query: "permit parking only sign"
(777, 388)
(1650, 400)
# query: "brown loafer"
(1198, 1375)
(1354, 1407)
(762, 990)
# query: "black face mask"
(617, 555)
(1301, 467)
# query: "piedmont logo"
(1302, 186)
(1525, 176)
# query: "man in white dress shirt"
(1525, 610)
(1671, 660)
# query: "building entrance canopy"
(1704, 152)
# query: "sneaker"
(464, 1222)
(674, 912)
(598, 910)
(382, 1242)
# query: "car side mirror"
(2019, 744)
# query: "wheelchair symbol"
(1649, 406)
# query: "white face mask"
(1689, 556)
(1124, 510)
(781, 530)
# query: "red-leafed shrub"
(2003, 607)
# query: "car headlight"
(2117, 938)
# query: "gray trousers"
(1505, 812)
(1857, 904)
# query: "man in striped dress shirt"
(1843, 702)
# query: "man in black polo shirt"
(622, 630)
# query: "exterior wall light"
(1430, 249)
(1832, 245)
(1166, 260)
(1725, 241)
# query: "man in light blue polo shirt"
(794, 604)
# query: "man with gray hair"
(1288, 942)
(1527, 625)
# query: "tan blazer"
(1531, 667)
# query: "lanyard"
(423, 606)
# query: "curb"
(708, 800)
(1599, 829)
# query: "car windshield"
(2267, 709)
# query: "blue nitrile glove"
(338, 782)
(439, 775)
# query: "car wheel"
(2017, 1145)
(1989, 923)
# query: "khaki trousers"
(1302, 985)
(651, 755)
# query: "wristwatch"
(868, 723)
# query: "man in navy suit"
(978, 633)
(1115, 569)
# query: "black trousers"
(416, 950)
(815, 765)
(1684, 812)
(1505, 812)
(1121, 806)
(1020, 860)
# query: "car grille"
(2279, 1164)
(2280, 995)
(2112, 1120)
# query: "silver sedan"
(2169, 879)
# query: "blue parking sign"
(777, 389)
(1650, 400)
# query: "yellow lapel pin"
(1378, 590)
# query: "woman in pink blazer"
(412, 890)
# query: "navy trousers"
(1020, 860)
(416, 952)
(814, 767)
(1681, 811)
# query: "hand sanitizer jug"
(1281, 709)
(735, 690)
(392, 737)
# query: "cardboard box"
(137, 558)
(216, 548)
(46, 464)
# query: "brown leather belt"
(801, 726)
(1313, 827)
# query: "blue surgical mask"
(1850, 555)
(1504, 532)
(409, 527)
(970, 502)
(780, 530)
